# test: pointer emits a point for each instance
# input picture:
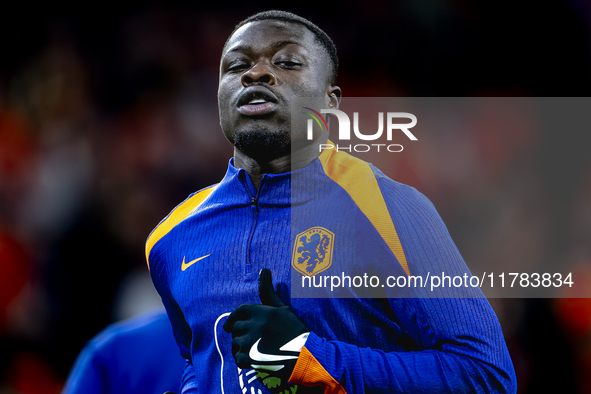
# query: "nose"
(259, 73)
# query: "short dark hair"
(321, 37)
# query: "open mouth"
(256, 102)
(257, 107)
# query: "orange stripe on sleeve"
(358, 180)
(175, 217)
(309, 372)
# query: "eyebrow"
(275, 45)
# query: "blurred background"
(108, 119)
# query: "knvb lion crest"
(312, 252)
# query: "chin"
(263, 144)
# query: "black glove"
(267, 337)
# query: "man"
(138, 355)
(211, 259)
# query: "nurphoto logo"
(392, 124)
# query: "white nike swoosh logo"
(255, 355)
(295, 345)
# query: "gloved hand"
(267, 337)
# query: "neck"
(291, 161)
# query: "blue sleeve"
(189, 382)
(461, 344)
(86, 376)
(181, 330)
(457, 362)
(138, 355)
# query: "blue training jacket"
(338, 216)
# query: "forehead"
(261, 34)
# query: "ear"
(334, 97)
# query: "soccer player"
(138, 355)
(223, 259)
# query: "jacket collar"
(284, 189)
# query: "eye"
(288, 64)
(238, 66)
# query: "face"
(264, 67)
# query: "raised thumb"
(267, 293)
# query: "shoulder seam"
(177, 215)
(346, 171)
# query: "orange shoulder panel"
(358, 180)
(179, 214)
